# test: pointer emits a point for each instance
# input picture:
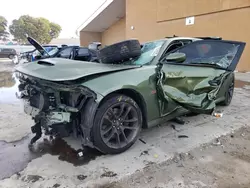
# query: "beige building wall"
(155, 19)
(142, 18)
(88, 37)
(230, 25)
(115, 33)
(160, 18)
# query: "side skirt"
(164, 119)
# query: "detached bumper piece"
(36, 129)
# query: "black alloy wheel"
(117, 124)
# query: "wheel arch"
(136, 96)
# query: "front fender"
(139, 80)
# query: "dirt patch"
(81, 177)
(108, 174)
(241, 84)
(223, 165)
(56, 185)
(31, 178)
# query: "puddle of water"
(15, 156)
(8, 87)
(65, 152)
(241, 84)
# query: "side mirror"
(176, 57)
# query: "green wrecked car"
(134, 86)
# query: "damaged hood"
(37, 46)
(58, 69)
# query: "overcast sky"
(69, 14)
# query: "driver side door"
(197, 82)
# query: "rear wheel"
(229, 94)
(11, 56)
(117, 124)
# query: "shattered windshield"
(149, 51)
(221, 60)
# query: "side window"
(175, 45)
(83, 52)
(65, 53)
(209, 52)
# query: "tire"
(130, 132)
(120, 52)
(229, 94)
(11, 56)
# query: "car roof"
(184, 38)
(173, 38)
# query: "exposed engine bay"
(59, 109)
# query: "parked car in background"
(64, 51)
(134, 86)
(8, 53)
(29, 56)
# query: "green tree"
(3, 28)
(55, 30)
(39, 28)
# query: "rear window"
(7, 50)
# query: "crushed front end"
(58, 109)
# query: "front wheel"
(117, 124)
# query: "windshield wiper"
(207, 65)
